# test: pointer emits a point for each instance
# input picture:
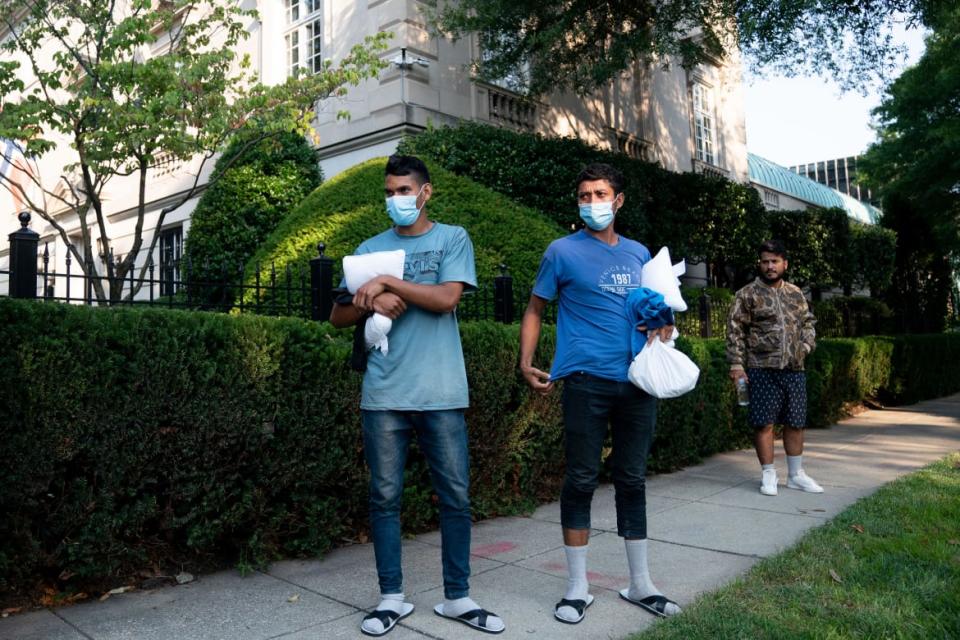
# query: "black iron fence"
(297, 290)
(306, 291)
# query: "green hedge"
(238, 211)
(697, 216)
(134, 437)
(349, 208)
(693, 214)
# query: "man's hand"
(538, 380)
(389, 304)
(736, 374)
(365, 295)
(665, 332)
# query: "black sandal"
(388, 619)
(657, 605)
(577, 605)
(475, 618)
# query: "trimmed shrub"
(240, 210)
(348, 209)
(177, 436)
(697, 216)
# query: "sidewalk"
(707, 525)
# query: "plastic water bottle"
(743, 394)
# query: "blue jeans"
(442, 437)
(589, 405)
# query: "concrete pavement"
(703, 527)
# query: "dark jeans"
(442, 436)
(589, 404)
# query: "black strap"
(479, 614)
(658, 602)
(385, 616)
(342, 296)
(577, 605)
(358, 358)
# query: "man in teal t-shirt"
(419, 387)
(592, 272)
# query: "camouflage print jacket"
(769, 327)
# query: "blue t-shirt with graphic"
(592, 280)
(424, 369)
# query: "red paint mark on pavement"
(594, 578)
(495, 549)
(605, 581)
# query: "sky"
(807, 119)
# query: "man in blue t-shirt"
(419, 387)
(592, 272)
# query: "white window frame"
(704, 124)
(303, 38)
(771, 199)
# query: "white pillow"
(661, 276)
(358, 270)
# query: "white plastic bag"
(375, 332)
(357, 271)
(662, 371)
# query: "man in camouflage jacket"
(769, 335)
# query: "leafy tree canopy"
(582, 44)
(918, 151)
(915, 167)
(118, 88)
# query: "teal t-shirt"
(424, 369)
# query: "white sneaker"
(803, 482)
(768, 482)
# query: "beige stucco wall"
(650, 103)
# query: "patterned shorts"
(777, 396)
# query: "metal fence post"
(23, 259)
(503, 296)
(321, 285)
(706, 328)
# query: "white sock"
(765, 467)
(640, 584)
(577, 585)
(459, 606)
(794, 465)
(388, 602)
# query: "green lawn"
(887, 567)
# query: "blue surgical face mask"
(597, 215)
(403, 209)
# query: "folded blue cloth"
(646, 307)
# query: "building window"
(293, 11)
(304, 36)
(314, 46)
(517, 79)
(705, 129)
(171, 250)
(771, 199)
(293, 52)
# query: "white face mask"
(597, 215)
(403, 210)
